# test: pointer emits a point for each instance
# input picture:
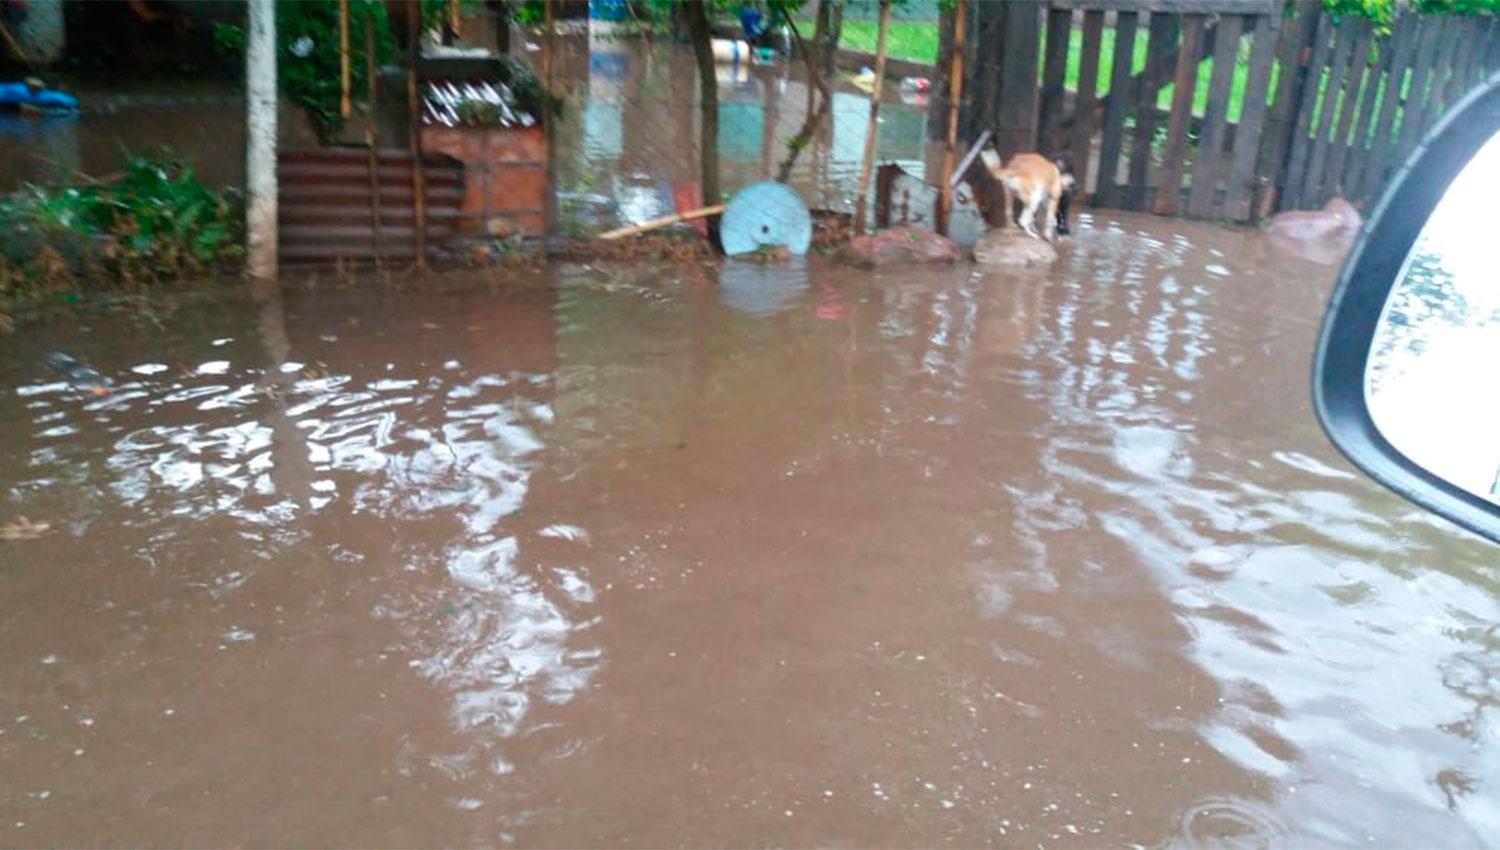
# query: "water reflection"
(1439, 330)
(995, 558)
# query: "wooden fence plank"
(1296, 168)
(1411, 106)
(1054, 70)
(1184, 84)
(1376, 89)
(1016, 112)
(1355, 83)
(1408, 34)
(1484, 31)
(1309, 184)
(1247, 136)
(1176, 7)
(1114, 115)
(984, 57)
(1292, 54)
(1442, 65)
(1088, 80)
(1492, 55)
(1208, 161)
(1160, 30)
(1458, 76)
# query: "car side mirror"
(1410, 344)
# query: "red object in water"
(687, 197)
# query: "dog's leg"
(1028, 215)
(1050, 222)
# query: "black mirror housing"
(1372, 269)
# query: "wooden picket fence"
(1300, 105)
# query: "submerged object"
(31, 94)
(1337, 217)
(731, 50)
(81, 375)
(765, 215)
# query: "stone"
(899, 245)
(1337, 218)
(1013, 248)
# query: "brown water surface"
(802, 556)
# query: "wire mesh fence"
(628, 145)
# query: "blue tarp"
(14, 95)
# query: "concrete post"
(260, 153)
(42, 34)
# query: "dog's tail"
(992, 162)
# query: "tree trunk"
(873, 129)
(817, 56)
(708, 104)
(260, 147)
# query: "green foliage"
(307, 51)
(154, 222)
(1383, 12)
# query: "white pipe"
(260, 147)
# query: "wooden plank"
(1458, 75)
(1484, 31)
(1354, 85)
(1263, 42)
(1054, 70)
(1411, 107)
(1442, 65)
(1208, 162)
(1161, 30)
(1491, 61)
(1293, 52)
(1114, 115)
(1407, 35)
(1184, 85)
(1088, 81)
(1175, 7)
(1297, 158)
(1357, 153)
(1015, 114)
(1309, 188)
(984, 57)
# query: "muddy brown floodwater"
(809, 557)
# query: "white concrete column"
(260, 153)
(42, 34)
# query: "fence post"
(955, 92)
(1292, 54)
(1015, 113)
(260, 148)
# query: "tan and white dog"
(1037, 182)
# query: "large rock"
(1338, 218)
(1012, 248)
(901, 245)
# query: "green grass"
(916, 41)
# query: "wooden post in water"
(260, 147)
(343, 58)
(414, 131)
(548, 119)
(870, 131)
(372, 137)
(708, 109)
(955, 93)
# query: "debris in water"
(22, 528)
(81, 375)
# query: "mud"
(600, 557)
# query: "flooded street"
(795, 557)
